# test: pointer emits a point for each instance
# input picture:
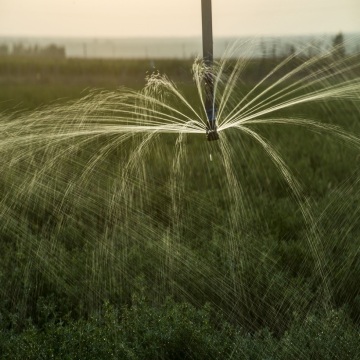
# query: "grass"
(158, 282)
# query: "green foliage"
(327, 336)
(179, 331)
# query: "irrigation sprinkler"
(208, 55)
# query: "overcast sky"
(128, 18)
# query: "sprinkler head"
(211, 130)
(212, 134)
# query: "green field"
(27, 83)
(145, 249)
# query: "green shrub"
(180, 331)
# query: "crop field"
(125, 234)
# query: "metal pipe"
(208, 55)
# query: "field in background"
(27, 83)
(280, 279)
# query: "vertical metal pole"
(207, 32)
(208, 54)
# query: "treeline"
(276, 49)
(52, 50)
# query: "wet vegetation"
(151, 280)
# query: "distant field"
(29, 82)
(26, 83)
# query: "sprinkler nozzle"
(212, 135)
(211, 129)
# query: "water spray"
(208, 55)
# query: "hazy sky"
(127, 18)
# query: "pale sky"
(165, 18)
